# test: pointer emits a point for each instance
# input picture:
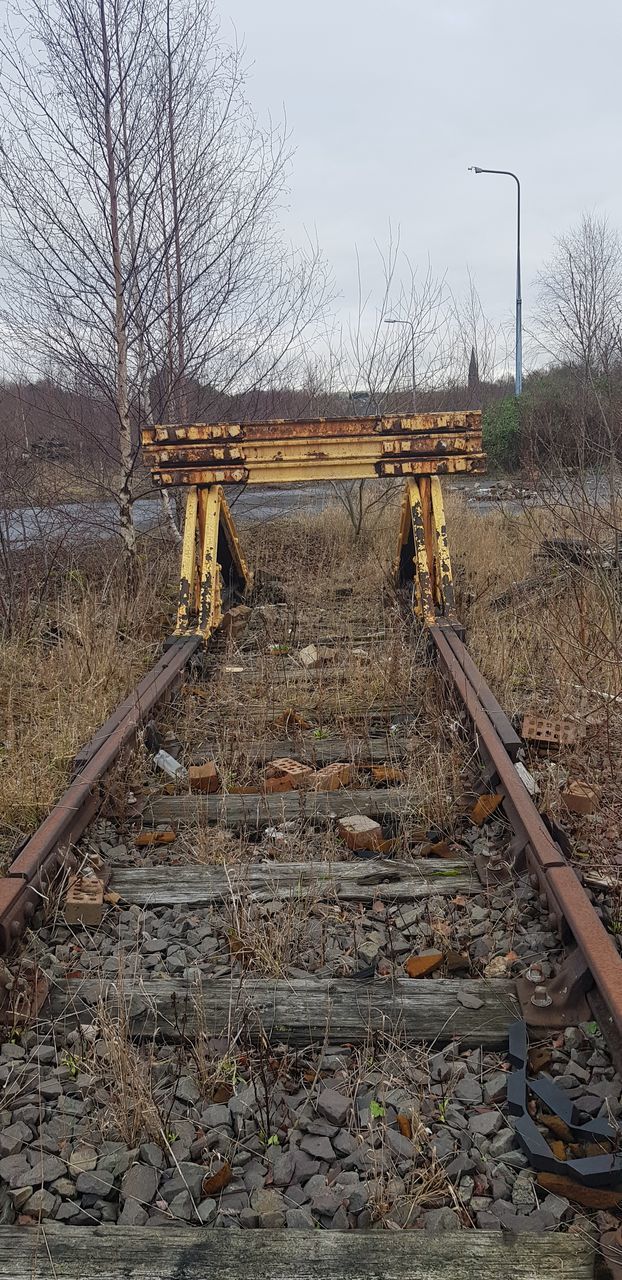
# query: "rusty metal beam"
(423, 551)
(303, 429)
(284, 452)
(319, 470)
(509, 737)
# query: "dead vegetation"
(82, 636)
(81, 641)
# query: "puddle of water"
(73, 522)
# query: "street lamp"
(518, 382)
(411, 325)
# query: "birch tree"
(140, 244)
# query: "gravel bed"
(94, 1128)
(97, 1131)
(499, 932)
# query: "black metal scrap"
(591, 1171)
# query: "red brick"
(204, 777)
(333, 776)
(360, 832)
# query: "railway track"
(290, 1043)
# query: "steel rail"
(30, 873)
(564, 891)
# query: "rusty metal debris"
(556, 1002)
(22, 994)
(591, 1171)
(484, 808)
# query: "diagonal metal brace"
(423, 554)
(591, 1171)
(210, 555)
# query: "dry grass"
(85, 638)
(268, 939)
(316, 584)
(82, 640)
(554, 645)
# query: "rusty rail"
(39, 859)
(566, 896)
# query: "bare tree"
(140, 245)
(240, 303)
(470, 331)
(373, 361)
(580, 310)
(77, 162)
(580, 318)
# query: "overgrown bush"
(501, 433)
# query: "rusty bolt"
(535, 973)
(541, 998)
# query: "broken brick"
(333, 776)
(217, 1181)
(204, 777)
(84, 903)
(420, 966)
(551, 730)
(387, 773)
(274, 786)
(438, 849)
(484, 808)
(360, 832)
(291, 720)
(287, 775)
(580, 797)
(235, 621)
(148, 838)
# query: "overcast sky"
(389, 101)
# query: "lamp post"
(518, 380)
(411, 325)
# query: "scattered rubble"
(580, 797)
(549, 730)
(204, 777)
(360, 832)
